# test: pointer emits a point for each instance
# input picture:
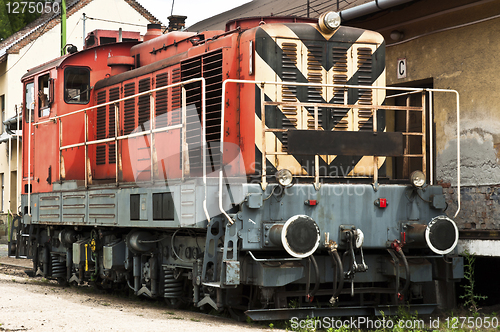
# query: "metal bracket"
(207, 300)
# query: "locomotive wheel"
(62, 282)
(179, 303)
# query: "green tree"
(13, 17)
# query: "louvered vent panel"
(101, 128)
(212, 72)
(340, 78)
(289, 93)
(176, 97)
(129, 109)
(208, 66)
(314, 75)
(144, 104)
(192, 69)
(114, 94)
(161, 101)
(365, 119)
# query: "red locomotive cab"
(39, 105)
(55, 94)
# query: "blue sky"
(195, 10)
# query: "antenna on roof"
(172, 11)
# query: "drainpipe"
(84, 18)
(63, 27)
(369, 8)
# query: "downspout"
(369, 8)
(83, 20)
(63, 27)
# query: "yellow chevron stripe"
(265, 73)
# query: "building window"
(76, 85)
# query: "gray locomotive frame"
(221, 255)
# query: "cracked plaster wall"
(464, 59)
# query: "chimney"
(176, 23)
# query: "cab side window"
(44, 95)
(76, 85)
(29, 101)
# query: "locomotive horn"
(299, 236)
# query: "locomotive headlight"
(284, 177)
(329, 21)
(417, 179)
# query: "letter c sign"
(401, 67)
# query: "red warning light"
(381, 202)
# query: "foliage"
(469, 296)
(13, 22)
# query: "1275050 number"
(32, 7)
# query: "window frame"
(42, 110)
(26, 106)
(70, 101)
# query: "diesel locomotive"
(265, 168)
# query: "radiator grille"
(101, 128)
(144, 104)
(176, 97)
(129, 109)
(208, 66)
(365, 118)
(161, 101)
(339, 77)
(314, 75)
(114, 94)
(289, 93)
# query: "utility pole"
(63, 27)
(84, 18)
(307, 8)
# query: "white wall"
(47, 47)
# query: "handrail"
(29, 159)
(117, 138)
(152, 130)
(458, 143)
(18, 169)
(52, 119)
(262, 84)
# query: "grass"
(404, 321)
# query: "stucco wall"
(462, 59)
(455, 46)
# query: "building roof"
(275, 8)
(45, 22)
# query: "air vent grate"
(365, 116)
(129, 109)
